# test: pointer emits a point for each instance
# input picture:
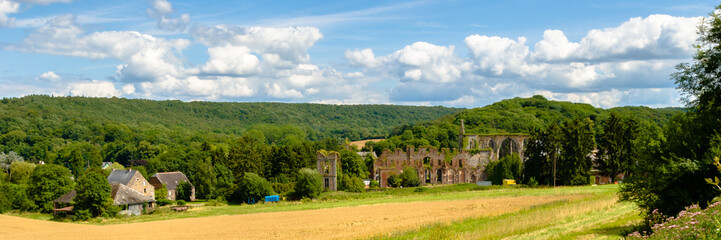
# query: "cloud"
(653, 37)
(231, 60)
(145, 57)
(161, 10)
(49, 76)
(93, 89)
(7, 7)
(418, 62)
(603, 66)
(278, 46)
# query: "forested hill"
(520, 114)
(351, 121)
(517, 115)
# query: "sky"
(462, 53)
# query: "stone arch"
(428, 176)
(508, 147)
(439, 176)
(426, 160)
(491, 144)
(452, 177)
(474, 143)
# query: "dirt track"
(332, 223)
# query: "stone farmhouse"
(171, 181)
(131, 191)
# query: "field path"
(330, 223)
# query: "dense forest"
(517, 115)
(318, 120)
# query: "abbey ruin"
(444, 166)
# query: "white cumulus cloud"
(49, 76)
(93, 89)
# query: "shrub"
(309, 184)
(394, 181)
(161, 193)
(252, 188)
(181, 202)
(374, 184)
(283, 187)
(409, 178)
(164, 202)
(82, 215)
(532, 182)
(421, 189)
(692, 223)
(355, 184)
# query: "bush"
(283, 187)
(309, 184)
(82, 215)
(692, 223)
(421, 189)
(164, 202)
(374, 184)
(394, 181)
(409, 178)
(161, 193)
(252, 188)
(181, 202)
(355, 184)
(532, 182)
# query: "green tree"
(161, 193)
(252, 188)
(352, 164)
(574, 167)
(93, 194)
(48, 182)
(20, 172)
(616, 148)
(508, 167)
(183, 191)
(409, 177)
(355, 184)
(309, 184)
(542, 149)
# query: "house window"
(327, 183)
(137, 179)
(143, 183)
(145, 190)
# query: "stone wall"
(327, 166)
(432, 166)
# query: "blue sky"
(451, 53)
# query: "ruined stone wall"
(327, 166)
(433, 166)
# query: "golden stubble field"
(331, 223)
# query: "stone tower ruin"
(327, 167)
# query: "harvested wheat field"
(331, 223)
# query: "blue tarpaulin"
(272, 198)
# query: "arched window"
(460, 163)
(439, 176)
(426, 160)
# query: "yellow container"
(509, 182)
